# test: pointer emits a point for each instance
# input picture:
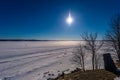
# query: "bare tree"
(79, 57)
(113, 35)
(92, 45)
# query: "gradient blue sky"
(45, 19)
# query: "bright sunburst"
(69, 19)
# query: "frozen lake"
(39, 60)
(27, 60)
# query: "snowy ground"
(36, 60)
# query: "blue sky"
(45, 19)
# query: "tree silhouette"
(113, 35)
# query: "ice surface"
(37, 60)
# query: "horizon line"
(40, 40)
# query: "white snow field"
(30, 60)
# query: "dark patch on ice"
(8, 78)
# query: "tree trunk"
(83, 64)
(96, 67)
(93, 62)
(118, 53)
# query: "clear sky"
(46, 19)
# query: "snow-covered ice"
(35, 60)
(27, 60)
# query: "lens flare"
(69, 19)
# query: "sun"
(69, 20)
